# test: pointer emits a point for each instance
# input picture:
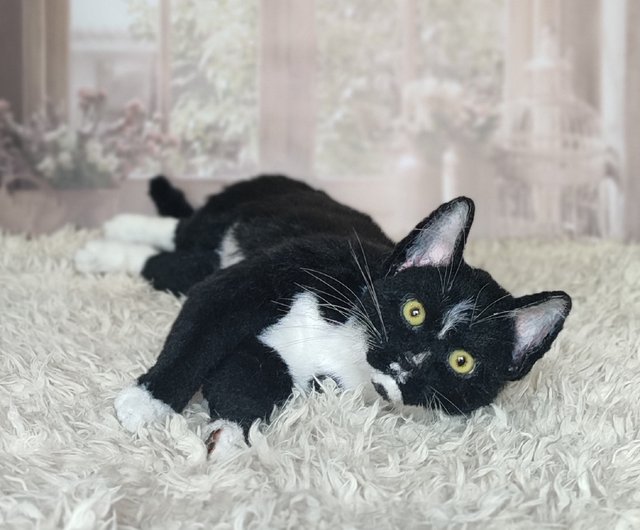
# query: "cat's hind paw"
(135, 407)
(112, 256)
(157, 232)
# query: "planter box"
(397, 206)
(42, 211)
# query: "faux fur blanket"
(559, 449)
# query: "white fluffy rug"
(560, 449)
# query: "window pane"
(358, 93)
(399, 81)
(214, 83)
(109, 55)
(121, 80)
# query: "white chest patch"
(311, 346)
(229, 250)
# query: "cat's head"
(449, 335)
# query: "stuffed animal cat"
(286, 285)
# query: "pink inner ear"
(533, 325)
(436, 243)
(438, 255)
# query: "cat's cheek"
(376, 360)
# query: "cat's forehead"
(445, 286)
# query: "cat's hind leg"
(101, 255)
(158, 232)
(178, 271)
(129, 241)
(175, 271)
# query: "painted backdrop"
(531, 107)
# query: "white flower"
(65, 160)
(106, 164)
(94, 151)
(47, 167)
(51, 136)
(69, 141)
(57, 135)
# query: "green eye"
(462, 362)
(413, 312)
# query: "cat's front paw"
(112, 256)
(223, 438)
(135, 406)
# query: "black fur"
(169, 201)
(296, 239)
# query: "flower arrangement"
(15, 164)
(47, 151)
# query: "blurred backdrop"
(531, 107)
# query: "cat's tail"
(169, 201)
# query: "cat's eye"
(462, 362)
(413, 312)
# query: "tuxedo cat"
(286, 285)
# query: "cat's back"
(276, 196)
(261, 189)
(271, 209)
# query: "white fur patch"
(135, 406)
(390, 386)
(229, 250)
(311, 346)
(458, 314)
(230, 439)
(158, 232)
(112, 256)
(399, 373)
(419, 358)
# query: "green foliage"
(214, 78)
(48, 151)
(359, 52)
(463, 41)
(360, 90)
(359, 87)
(98, 153)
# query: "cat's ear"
(538, 318)
(438, 240)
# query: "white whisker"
(369, 284)
(490, 305)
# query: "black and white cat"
(286, 285)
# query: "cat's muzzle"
(387, 387)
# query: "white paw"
(158, 232)
(96, 256)
(123, 227)
(223, 438)
(112, 256)
(135, 406)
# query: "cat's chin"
(387, 387)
